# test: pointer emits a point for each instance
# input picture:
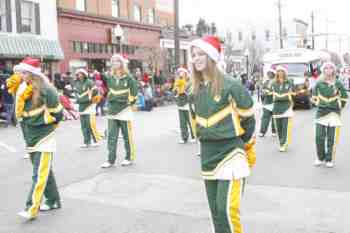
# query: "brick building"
(90, 31)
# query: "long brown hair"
(38, 83)
(215, 75)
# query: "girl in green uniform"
(330, 97)
(40, 110)
(282, 92)
(87, 97)
(122, 92)
(267, 105)
(225, 126)
(182, 102)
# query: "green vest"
(267, 92)
(282, 96)
(122, 93)
(329, 97)
(36, 121)
(85, 90)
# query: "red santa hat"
(211, 45)
(181, 69)
(121, 57)
(31, 65)
(83, 71)
(327, 64)
(283, 68)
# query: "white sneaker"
(107, 165)
(126, 162)
(181, 141)
(329, 164)
(26, 215)
(261, 135)
(318, 162)
(274, 135)
(26, 156)
(84, 146)
(46, 207)
(192, 140)
(95, 144)
(283, 149)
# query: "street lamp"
(119, 34)
(246, 54)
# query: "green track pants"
(88, 128)
(265, 121)
(44, 183)
(284, 128)
(113, 133)
(327, 138)
(224, 198)
(185, 124)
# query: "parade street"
(163, 192)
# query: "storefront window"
(115, 8)
(3, 16)
(28, 19)
(151, 16)
(137, 13)
(80, 5)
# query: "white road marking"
(7, 147)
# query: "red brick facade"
(80, 27)
(91, 28)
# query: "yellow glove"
(22, 99)
(48, 118)
(13, 83)
(96, 99)
(250, 153)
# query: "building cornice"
(73, 14)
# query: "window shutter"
(37, 18)
(18, 16)
(8, 16)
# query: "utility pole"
(280, 22)
(313, 30)
(176, 34)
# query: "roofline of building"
(62, 12)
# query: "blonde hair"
(39, 83)
(215, 75)
(124, 69)
(277, 77)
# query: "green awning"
(19, 46)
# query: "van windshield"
(296, 69)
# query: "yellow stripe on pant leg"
(192, 124)
(289, 131)
(131, 141)
(233, 206)
(94, 131)
(39, 188)
(336, 141)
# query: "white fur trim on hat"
(120, 57)
(25, 67)
(281, 67)
(83, 71)
(328, 64)
(182, 70)
(212, 52)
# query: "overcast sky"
(228, 13)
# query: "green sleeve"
(54, 106)
(343, 94)
(244, 105)
(133, 91)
